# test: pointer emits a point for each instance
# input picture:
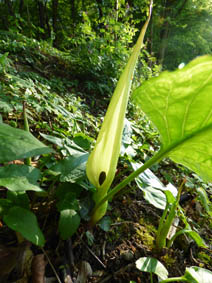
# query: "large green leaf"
(152, 265)
(71, 168)
(68, 202)
(152, 188)
(180, 106)
(17, 144)
(68, 223)
(20, 178)
(25, 222)
(195, 274)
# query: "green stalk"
(164, 229)
(174, 279)
(162, 153)
(169, 244)
(162, 220)
(161, 237)
(27, 161)
(151, 277)
(156, 158)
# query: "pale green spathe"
(102, 162)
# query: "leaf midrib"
(165, 150)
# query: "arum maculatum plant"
(178, 103)
(102, 162)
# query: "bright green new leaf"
(102, 162)
(152, 187)
(17, 144)
(25, 222)
(195, 274)
(152, 265)
(180, 106)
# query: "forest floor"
(108, 252)
(108, 256)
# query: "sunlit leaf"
(25, 222)
(152, 187)
(83, 141)
(195, 236)
(17, 144)
(71, 168)
(180, 106)
(196, 274)
(152, 265)
(20, 178)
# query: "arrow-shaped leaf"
(17, 144)
(180, 106)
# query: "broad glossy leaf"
(71, 168)
(152, 187)
(19, 199)
(68, 202)
(83, 141)
(58, 141)
(69, 145)
(25, 222)
(149, 264)
(68, 223)
(197, 274)
(17, 144)
(5, 205)
(20, 178)
(180, 106)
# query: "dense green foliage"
(59, 64)
(99, 32)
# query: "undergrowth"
(66, 94)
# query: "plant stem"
(27, 161)
(174, 279)
(160, 228)
(151, 277)
(165, 226)
(156, 158)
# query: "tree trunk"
(21, 6)
(41, 13)
(73, 11)
(47, 20)
(172, 10)
(99, 5)
(54, 21)
(10, 7)
(164, 42)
